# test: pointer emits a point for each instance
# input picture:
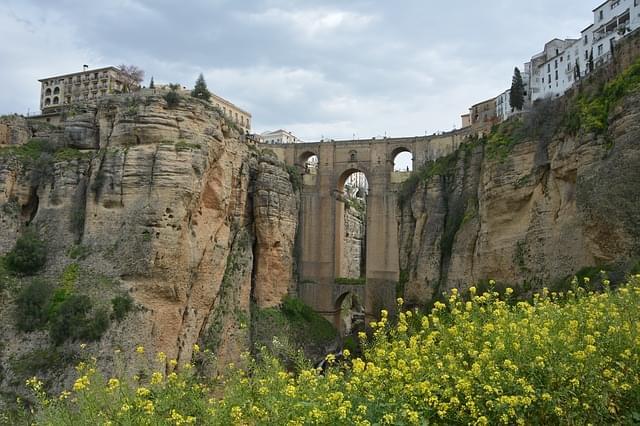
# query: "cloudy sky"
(316, 67)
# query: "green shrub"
(294, 177)
(28, 256)
(31, 306)
(96, 326)
(70, 318)
(72, 321)
(173, 98)
(121, 306)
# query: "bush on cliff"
(31, 306)
(28, 256)
(570, 358)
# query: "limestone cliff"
(530, 212)
(171, 206)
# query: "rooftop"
(81, 72)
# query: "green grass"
(590, 111)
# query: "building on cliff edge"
(88, 85)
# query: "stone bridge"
(321, 234)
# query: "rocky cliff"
(170, 207)
(545, 195)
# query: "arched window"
(47, 102)
(47, 92)
(56, 100)
(56, 91)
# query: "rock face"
(549, 208)
(354, 242)
(170, 206)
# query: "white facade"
(503, 108)
(552, 69)
(279, 136)
(556, 69)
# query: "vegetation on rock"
(28, 256)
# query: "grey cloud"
(316, 67)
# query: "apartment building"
(88, 85)
(562, 62)
(279, 136)
(239, 116)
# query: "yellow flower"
(156, 378)
(81, 383)
(346, 353)
(140, 350)
(161, 357)
(113, 384)
(196, 348)
(142, 392)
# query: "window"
(549, 79)
(56, 100)
(586, 38)
(47, 92)
(555, 66)
(615, 3)
(47, 102)
(56, 91)
(600, 49)
(556, 75)
(601, 15)
(548, 67)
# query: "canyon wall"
(555, 203)
(170, 206)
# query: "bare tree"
(133, 76)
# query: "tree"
(152, 84)
(132, 77)
(516, 97)
(200, 90)
(590, 63)
(577, 70)
(172, 96)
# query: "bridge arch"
(305, 156)
(402, 159)
(350, 229)
(349, 312)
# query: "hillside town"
(558, 67)
(564, 62)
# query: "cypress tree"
(152, 84)
(200, 90)
(516, 97)
(590, 64)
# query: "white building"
(503, 107)
(556, 69)
(552, 69)
(279, 136)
